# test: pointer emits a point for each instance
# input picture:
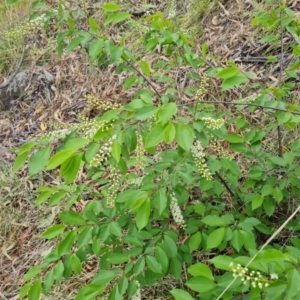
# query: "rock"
(14, 89)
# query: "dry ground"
(227, 31)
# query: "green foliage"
(169, 183)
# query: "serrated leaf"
(110, 7)
(59, 158)
(76, 264)
(71, 218)
(96, 48)
(270, 255)
(145, 68)
(184, 136)
(39, 160)
(53, 231)
(153, 264)
(20, 160)
(35, 290)
(228, 72)
(181, 295)
(129, 82)
(200, 269)
(195, 241)
(116, 151)
(201, 284)
(155, 136)
(165, 112)
(215, 238)
(142, 216)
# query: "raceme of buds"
(176, 212)
(25, 28)
(254, 277)
(87, 128)
(114, 178)
(100, 104)
(218, 149)
(212, 123)
(140, 151)
(198, 155)
(248, 99)
(104, 152)
(201, 92)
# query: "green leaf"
(201, 284)
(76, 264)
(96, 48)
(24, 290)
(257, 202)
(71, 218)
(115, 229)
(270, 255)
(75, 43)
(49, 280)
(145, 68)
(293, 286)
(57, 197)
(213, 220)
(222, 262)
(195, 241)
(121, 16)
(69, 169)
(20, 160)
(277, 194)
(58, 271)
(105, 276)
(142, 216)
(165, 112)
(116, 151)
(77, 143)
(228, 72)
(162, 258)
(175, 268)
(42, 197)
(131, 195)
(84, 237)
(237, 240)
(145, 113)
(170, 133)
(231, 82)
(184, 136)
(278, 161)
(35, 290)
(155, 136)
(118, 258)
(66, 244)
(181, 295)
(110, 7)
(129, 82)
(153, 264)
(89, 292)
(39, 160)
(53, 231)
(200, 269)
(215, 238)
(59, 158)
(139, 266)
(234, 138)
(32, 273)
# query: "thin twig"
(244, 104)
